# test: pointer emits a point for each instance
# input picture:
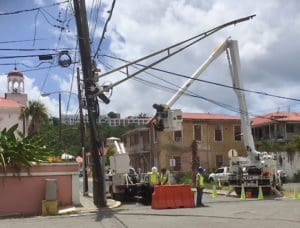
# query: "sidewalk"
(87, 206)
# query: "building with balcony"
(278, 126)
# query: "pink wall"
(23, 195)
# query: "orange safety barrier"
(172, 196)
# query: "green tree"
(38, 113)
(112, 115)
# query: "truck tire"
(211, 180)
(118, 196)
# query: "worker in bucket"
(200, 186)
(164, 176)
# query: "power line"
(192, 94)
(104, 28)
(24, 56)
(206, 81)
(35, 49)
(57, 45)
(33, 9)
(187, 43)
(93, 30)
(19, 41)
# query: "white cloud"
(268, 44)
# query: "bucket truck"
(124, 183)
(257, 169)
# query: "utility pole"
(92, 102)
(59, 111)
(82, 137)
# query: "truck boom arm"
(235, 70)
(217, 52)
(231, 47)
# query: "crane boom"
(235, 70)
(231, 47)
(217, 52)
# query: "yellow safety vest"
(200, 180)
(154, 178)
(164, 179)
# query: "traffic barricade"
(172, 196)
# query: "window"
(177, 166)
(219, 160)
(197, 132)
(237, 133)
(290, 128)
(177, 136)
(218, 133)
(220, 170)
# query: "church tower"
(15, 87)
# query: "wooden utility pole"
(92, 102)
(82, 137)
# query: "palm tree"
(38, 113)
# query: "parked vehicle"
(220, 175)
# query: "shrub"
(21, 151)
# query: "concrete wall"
(23, 194)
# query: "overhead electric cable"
(19, 41)
(36, 49)
(186, 93)
(193, 40)
(104, 28)
(33, 9)
(208, 82)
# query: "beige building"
(204, 139)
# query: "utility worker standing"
(153, 180)
(164, 177)
(154, 177)
(200, 186)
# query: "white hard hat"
(154, 169)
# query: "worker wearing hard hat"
(153, 180)
(154, 177)
(200, 186)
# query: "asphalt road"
(221, 212)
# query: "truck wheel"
(211, 180)
(118, 196)
(266, 191)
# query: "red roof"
(15, 72)
(276, 117)
(5, 103)
(208, 116)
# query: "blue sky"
(269, 50)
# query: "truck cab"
(220, 175)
